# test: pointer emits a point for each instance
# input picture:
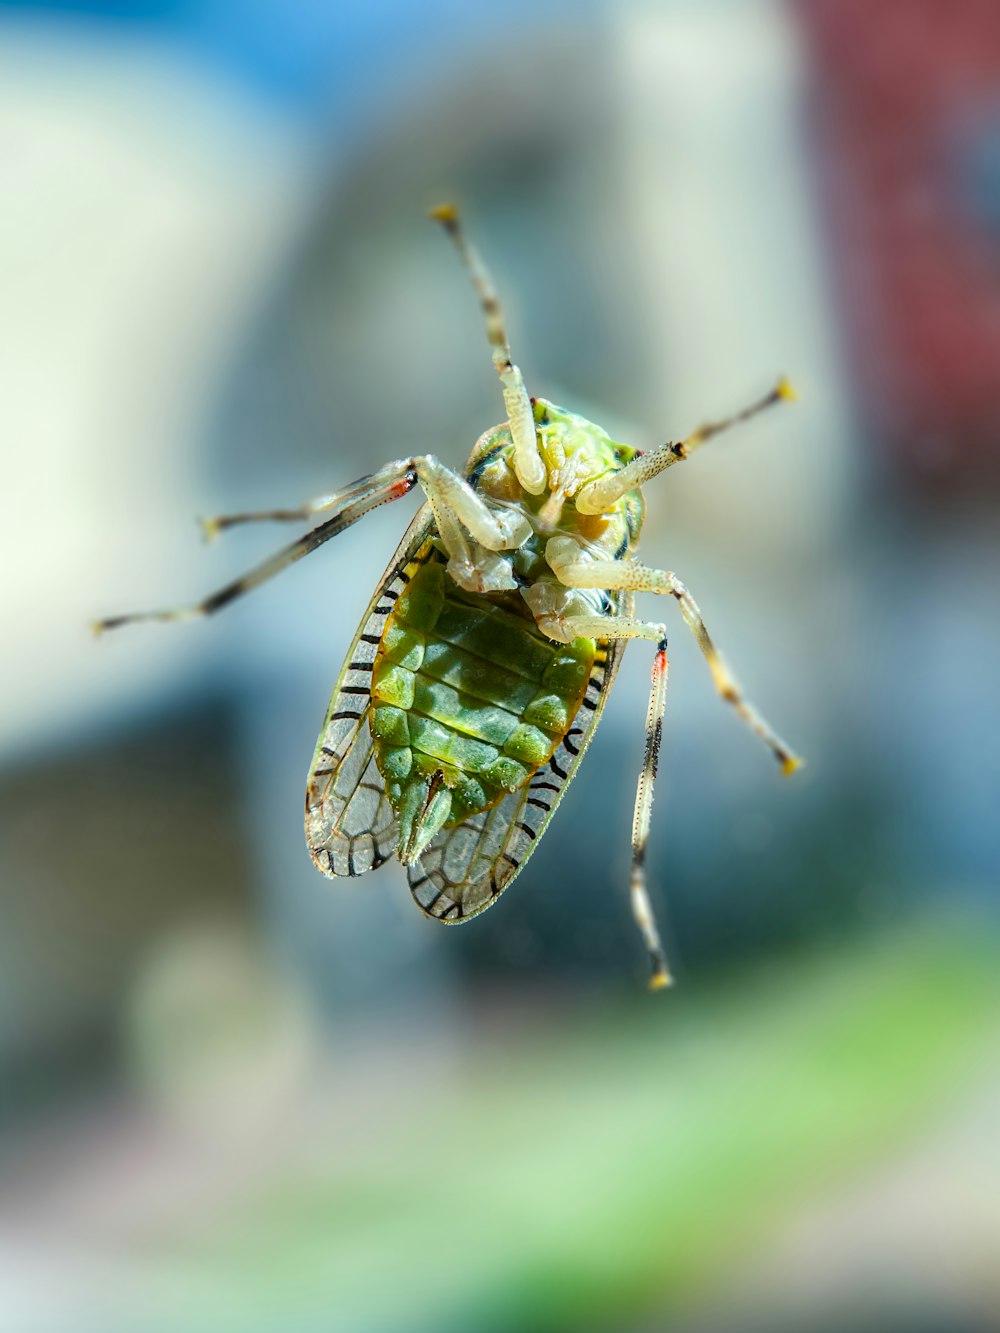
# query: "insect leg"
(459, 512)
(528, 463)
(496, 530)
(598, 496)
(389, 483)
(597, 626)
(450, 495)
(642, 908)
(626, 627)
(336, 499)
(629, 574)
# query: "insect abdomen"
(468, 699)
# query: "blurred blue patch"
(311, 56)
(982, 174)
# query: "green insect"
(481, 667)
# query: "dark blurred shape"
(906, 120)
(100, 855)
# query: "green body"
(452, 700)
(468, 700)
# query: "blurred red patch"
(906, 121)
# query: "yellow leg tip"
(97, 628)
(785, 392)
(661, 979)
(210, 529)
(444, 213)
(791, 763)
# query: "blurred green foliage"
(607, 1166)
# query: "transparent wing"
(465, 869)
(350, 825)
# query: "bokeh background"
(235, 1096)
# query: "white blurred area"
(143, 215)
(207, 305)
(147, 213)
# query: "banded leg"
(528, 463)
(564, 615)
(452, 535)
(625, 627)
(642, 908)
(494, 529)
(563, 556)
(449, 494)
(598, 496)
(211, 527)
(454, 504)
(364, 486)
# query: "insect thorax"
(575, 451)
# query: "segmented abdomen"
(466, 688)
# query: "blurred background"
(236, 1096)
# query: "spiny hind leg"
(564, 558)
(642, 908)
(455, 504)
(626, 627)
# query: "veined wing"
(350, 825)
(466, 868)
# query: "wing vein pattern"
(350, 825)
